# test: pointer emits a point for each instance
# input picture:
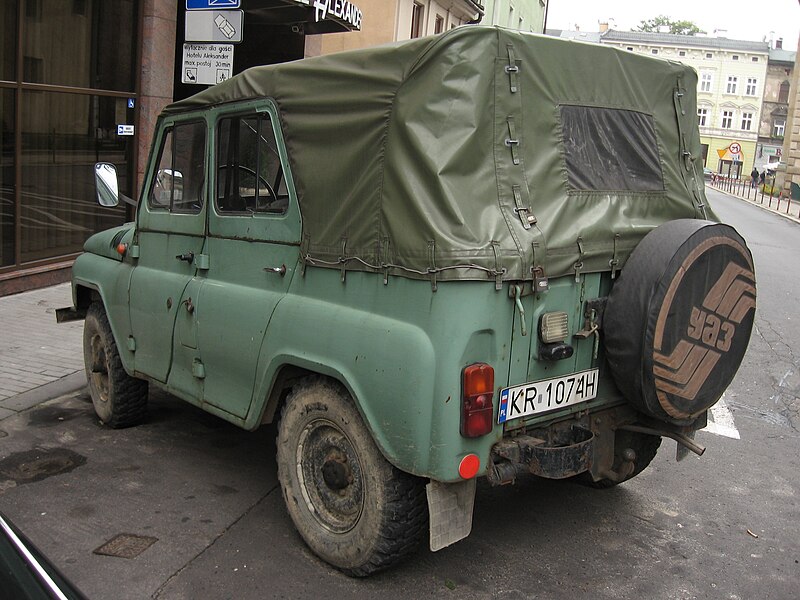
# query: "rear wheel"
(352, 507)
(119, 399)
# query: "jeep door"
(253, 246)
(170, 236)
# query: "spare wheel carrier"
(679, 318)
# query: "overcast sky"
(743, 20)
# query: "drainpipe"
(479, 9)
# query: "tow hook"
(625, 469)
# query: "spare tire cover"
(679, 317)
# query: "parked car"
(482, 254)
(708, 174)
(25, 573)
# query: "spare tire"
(679, 317)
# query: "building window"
(629, 48)
(735, 57)
(755, 59)
(783, 93)
(709, 55)
(438, 26)
(727, 119)
(751, 86)
(705, 82)
(417, 18)
(681, 52)
(654, 51)
(778, 127)
(702, 116)
(732, 83)
(747, 120)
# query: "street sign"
(125, 129)
(206, 64)
(214, 26)
(212, 4)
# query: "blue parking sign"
(212, 4)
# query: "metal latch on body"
(517, 290)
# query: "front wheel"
(119, 399)
(352, 507)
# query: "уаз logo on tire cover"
(708, 333)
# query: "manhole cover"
(126, 545)
(38, 464)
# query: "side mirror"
(105, 179)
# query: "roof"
(580, 36)
(782, 56)
(403, 161)
(686, 41)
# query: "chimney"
(779, 44)
(603, 27)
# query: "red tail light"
(477, 410)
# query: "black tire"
(350, 505)
(679, 318)
(645, 446)
(119, 399)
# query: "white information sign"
(125, 129)
(214, 26)
(207, 64)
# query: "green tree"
(676, 27)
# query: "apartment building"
(775, 107)
(523, 15)
(732, 75)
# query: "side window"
(249, 171)
(179, 181)
(608, 149)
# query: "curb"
(60, 387)
(758, 204)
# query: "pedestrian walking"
(762, 177)
(754, 177)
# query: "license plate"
(540, 397)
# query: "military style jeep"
(481, 254)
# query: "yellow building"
(731, 77)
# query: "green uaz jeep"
(480, 254)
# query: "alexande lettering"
(342, 9)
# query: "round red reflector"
(122, 249)
(469, 466)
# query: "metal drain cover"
(126, 545)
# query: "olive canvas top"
(482, 153)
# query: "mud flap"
(450, 508)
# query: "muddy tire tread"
(127, 394)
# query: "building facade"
(83, 81)
(68, 78)
(388, 21)
(524, 15)
(731, 78)
(774, 113)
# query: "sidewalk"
(779, 206)
(39, 359)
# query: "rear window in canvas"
(609, 149)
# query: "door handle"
(188, 256)
(279, 270)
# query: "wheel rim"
(330, 476)
(99, 367)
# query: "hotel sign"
(343, 10)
